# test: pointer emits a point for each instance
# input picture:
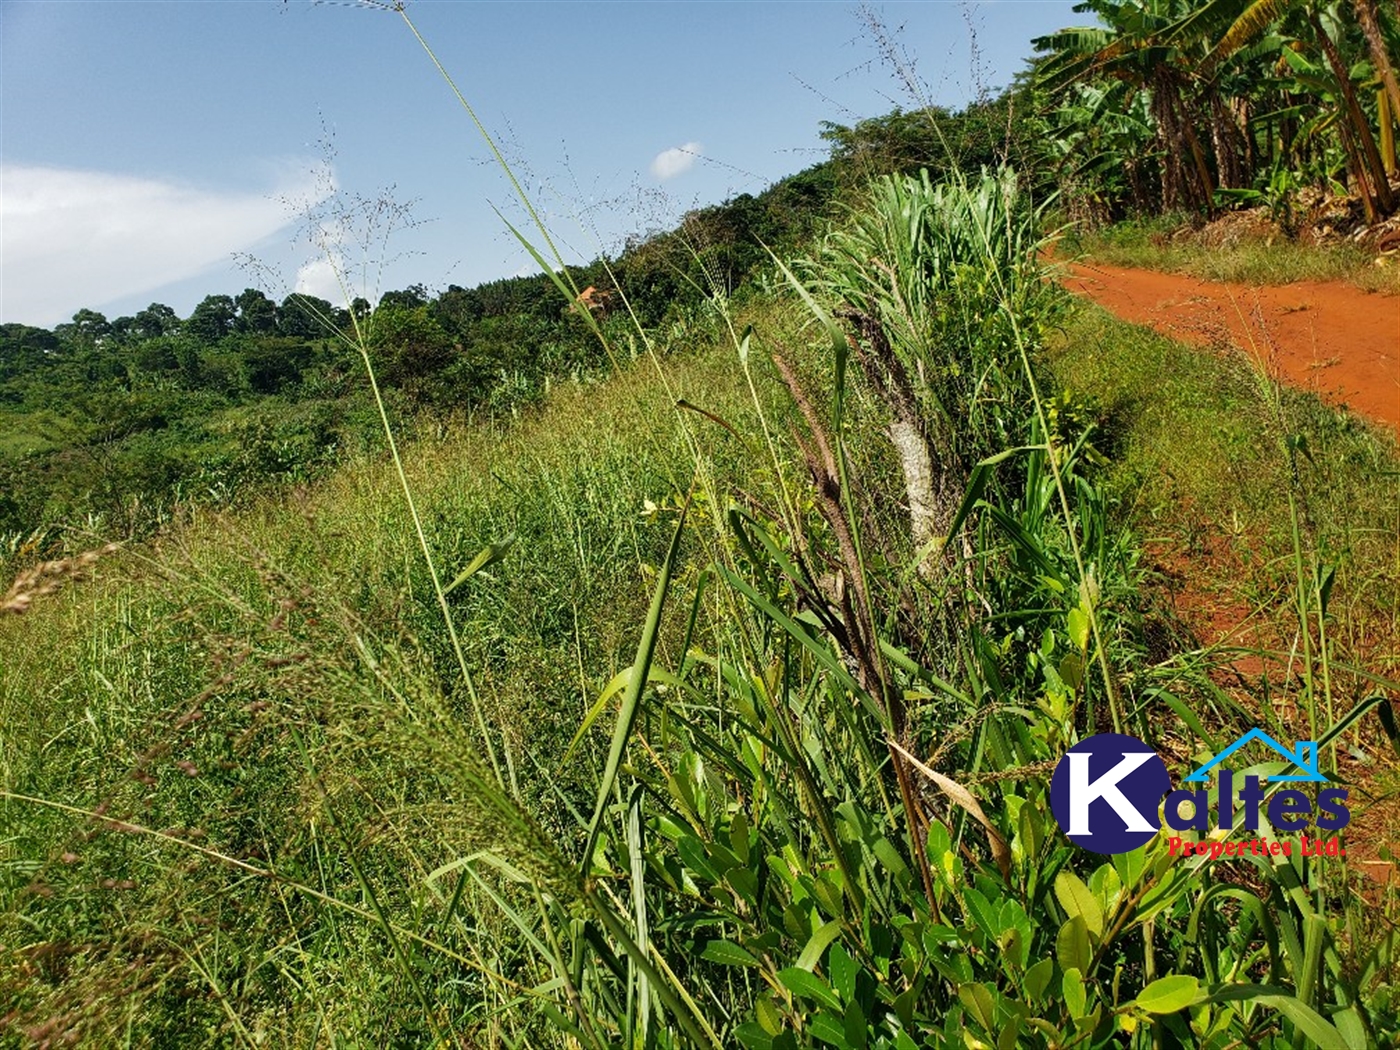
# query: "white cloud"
(676, 161)
(84, 238)
(320, 278)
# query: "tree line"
(1161, 106)
(1194, 105)
(111, 421)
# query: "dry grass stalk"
(47, 577)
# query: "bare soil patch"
(1327, 337)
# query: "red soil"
(1327, 337)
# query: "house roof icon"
(1303, 757)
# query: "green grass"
(246, 803)
(282, 604)
(1167, 244)
(17, 439)
(1198, 441)
(256, 792)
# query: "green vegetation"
(115, 423)
(1199, 449)
(1190, 104)
(704, 687)
(1164, 116)
(1258, 256)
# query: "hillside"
(115, 423)
(685, 650)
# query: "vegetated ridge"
(715, 703)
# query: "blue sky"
(145, 145)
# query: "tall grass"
(610, 731)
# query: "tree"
(270, 363)
(1142, 45)
(1368, 16)
(86, 330)
(1291, 70)
(1319, 27)
(90, 326)
(305, 316)
(413, 296)
(408, 345)
(897, 142)
(24, 348)
(156, 320)
(156, 356)
(1100, 147)
(212, 319)
(456, 309)
(122, 327)
(257, 314)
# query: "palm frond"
(1255, 20)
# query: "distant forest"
(110, 423)
(1172, 107)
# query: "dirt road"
(1328, 337)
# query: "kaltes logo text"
(1107, 793)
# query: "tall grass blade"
(636, 685)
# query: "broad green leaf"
(744, 882)
(1037, 979)
(1013, 944)
(828, 895)
(1015, 929)
(842, 970)
(1167, 995)
(888, 856)
(739, 836)
(1078, 626)
(729, 953)
(1077, 899)
(751, 1035)
(1072, 947)
(1130, 866)
(693, 853)
(1106, 886)
(829, 1030)
(1071, 671)
(1046, 1029)
(983, 915)
(768, 1014)
(853, 1024)
(980, 1004)
(817, 945)
(1032, 832)
(808, 985)
(1072, 987)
